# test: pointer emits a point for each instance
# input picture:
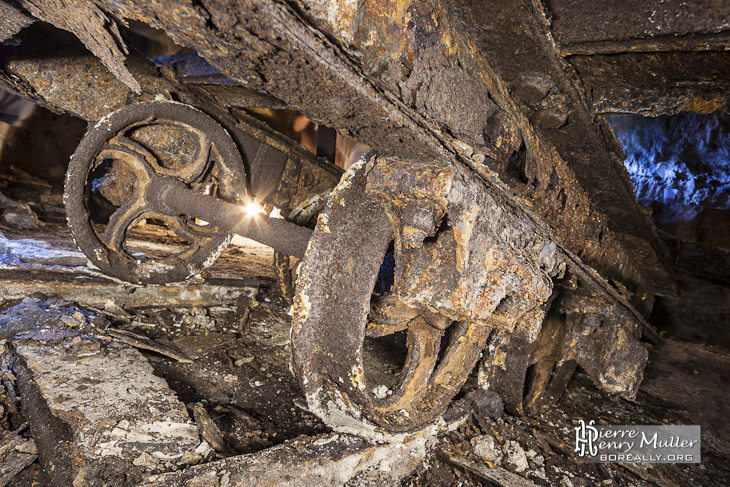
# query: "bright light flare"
(253, 209)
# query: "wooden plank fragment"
(498, 475)
(90, 288)
(327, 460)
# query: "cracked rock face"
(679, 159)
(678, 166)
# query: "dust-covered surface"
(136, 413)
(154, 385)
(482, 87)
(541, 449)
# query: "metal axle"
(177, 199)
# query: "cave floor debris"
(151, 391)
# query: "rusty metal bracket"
(454, 300)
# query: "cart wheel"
(110, 170)
(337, 315)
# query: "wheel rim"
(112, 165)
(332, 306)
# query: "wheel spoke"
(182, 151)
(185, 231)
(388, 315)
(118, 160)
(142, 160)
(201, 161)
(462, 354)
(423, 350)
(120, 221)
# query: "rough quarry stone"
(486, 404)
(112, 400)
(516, 456)
(36, 255)
(16, 453)
(20, 218)
(486, 448)
(39, 252)
(106, 399)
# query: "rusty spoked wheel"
(106, 195)
(335, 312)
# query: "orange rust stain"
(700, 105)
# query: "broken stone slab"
(17, 214)
(113, 401)
(67, 258)
(486, 448)
(32, 251)
(486, 403)
(12, 464)
(326, 460)
(207, 428)
(28, 316)
(199, 345)
(20, 218)
(90, 288)
(139, 341)
(93, 410)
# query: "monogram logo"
(585, 438)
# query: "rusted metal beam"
(268, 46)
(92, 26)
(671, 43)
(647, 57)
(656, 83)
(14, 20)
(288, 238)
(571, 169)
(643, 25)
